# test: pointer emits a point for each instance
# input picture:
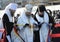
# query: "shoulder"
(4, 15)
(19, 19)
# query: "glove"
(39, 25)
(26, 25)
(38, 22)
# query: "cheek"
(13, 12)
(28, 13)
(40, 13)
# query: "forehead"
(12, 10)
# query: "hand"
(35, 25)
(39, 25)
(26, 25)
(15, 25)
(50, 32)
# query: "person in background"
(55, 36)
(8, 19)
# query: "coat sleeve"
(20, 23)
(34, 17)
(52, 22)
(7, 24)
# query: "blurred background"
(22, 3)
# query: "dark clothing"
(36, 36)
(56, 39)
(7, 24)
(56, 30)
(36, 33)
(51, 20)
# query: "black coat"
(7, 24)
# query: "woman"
(8, 19)
(43, 18)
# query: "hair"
(49, 11)
(41, 8)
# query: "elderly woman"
(8, 18)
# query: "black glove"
(39, 24)
(26, 25)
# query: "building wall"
(4, 3)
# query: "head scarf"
(28, 7)
(12, 6)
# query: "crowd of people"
(28, 27)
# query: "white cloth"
(1, 24)
(28, 7)
(16, 13)
(11, 6)
(8, 37)
(27, 33)
(9, 15)
(1, 15)
(1, 35)
(44, 28)
(14, 37)
(45, 19)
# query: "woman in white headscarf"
(46, 23)
(43, 21)
(26, 24)
(8, 21)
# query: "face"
(28, 13)
(12, 12)
(40, 13)
(18, 15)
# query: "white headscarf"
(12, 6)
(17, 12)
(45, 19)
(28, 7)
